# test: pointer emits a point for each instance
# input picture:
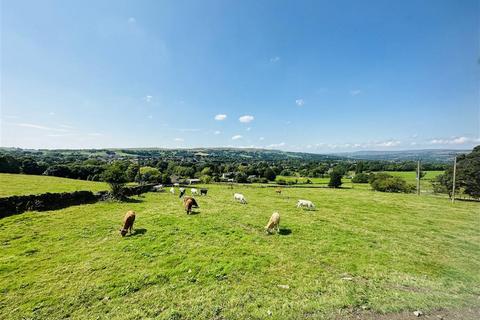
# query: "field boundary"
(54, 201)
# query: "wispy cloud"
(246, 119)
(66, 126)
(132, 20)
(150, 116)
(276, 145)
(51, 113)
(95, 134)
(274, 59)
(217, 132)
(299, 102)
(454, 141)
(249, 128)
(236, 137)
(389, 143)
(40, 127)
(148, 98)
(220, 117)
(355, 92)
(188, 130)
(179, 139)
(261, 138)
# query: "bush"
(281, 182)
(335, 179)
(386, 183)
(360, 178)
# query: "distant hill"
(428, 155)
(225, 154)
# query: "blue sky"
(316, 76)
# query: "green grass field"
(359, 250)
(20, 184)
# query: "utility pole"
(454, 174)
(418, 177)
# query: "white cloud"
(261, 138)
(299, 102)
(246, 118)
(355, 92)
(179, 139)
(274, 59)
(51, 113)
(148, 98)
(248, 129)
(132, 20)
(66, 126)
(277, 145)
(389, 143)
(217, 132)
(236, 137)
(150, 116)
(454, 140)
(220, 117)
(95, 134)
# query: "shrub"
(387, 183)
(360, 178)
(281, 182)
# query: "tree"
(150, 174)
(269, 174)
(114, 175)
(335, 179)
(467, 175)
(132, 172)
(9, 164)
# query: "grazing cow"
(240, 198)
(278, 191)
(128, 221)
(305, 204)
(182, 192)
(172, 190)
(188, 203)
(195, 204)
(203, 192)
(194, 191)
(273, 223)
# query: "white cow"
(305, 204)
(194, 191)
(181, 190)
(240, 198)
(172, 190)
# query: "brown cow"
(194, 204)
(278, 191)
(188, 205)
(128, 221)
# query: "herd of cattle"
(189, 202)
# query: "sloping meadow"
(359, 250)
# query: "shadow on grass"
(130, 200)
(285, 232)
(193, 213)
(138, 232)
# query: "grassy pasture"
(21, 184)
(359, 250)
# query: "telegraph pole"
(454, 174)
(418, 177)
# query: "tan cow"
(128, 221)
(273, 223)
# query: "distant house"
(227, 176)
(193, 181)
